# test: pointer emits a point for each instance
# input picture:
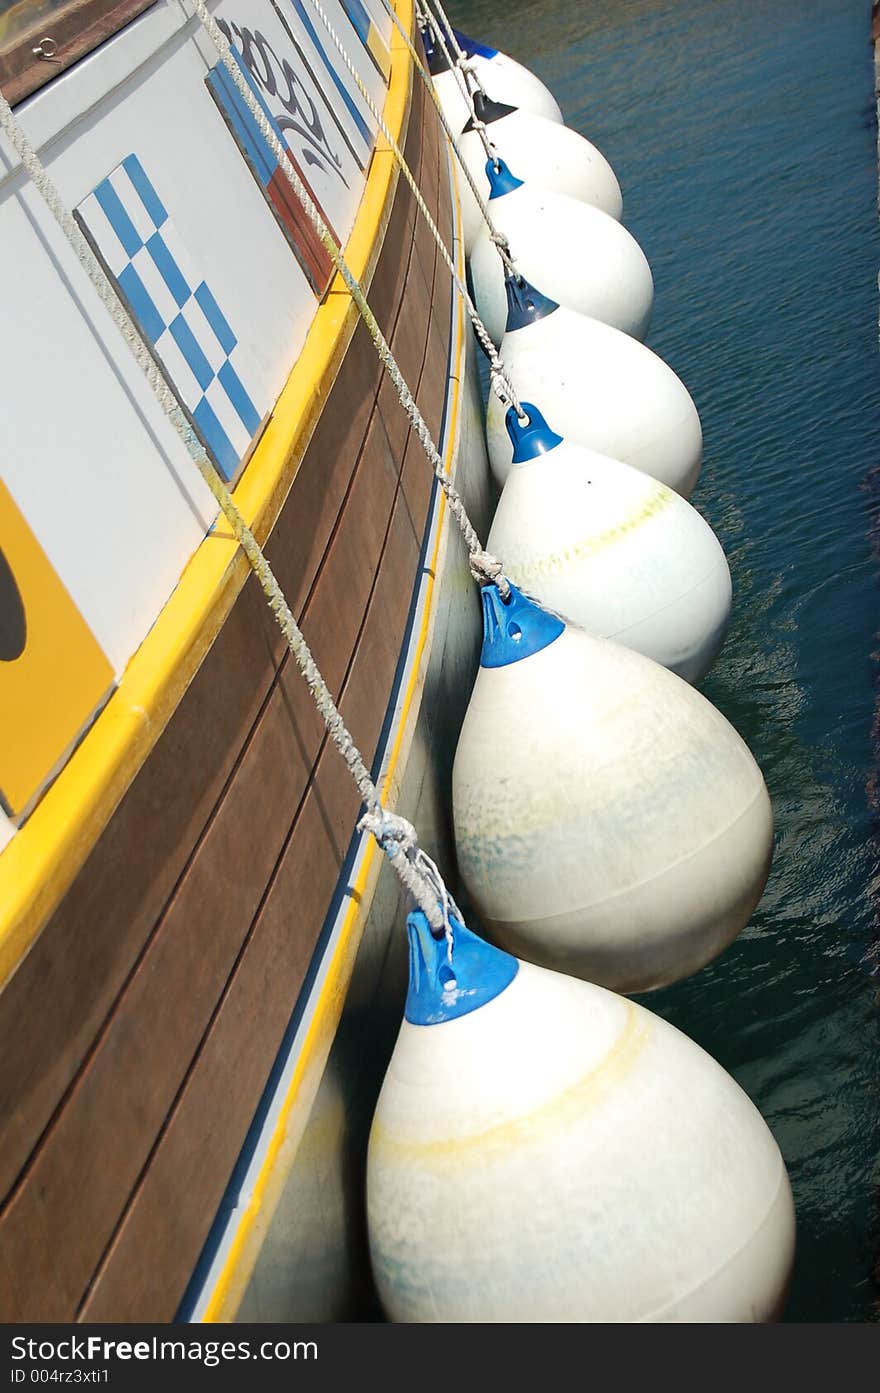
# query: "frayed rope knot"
(488, 570)
(393, 833)
(399, 841)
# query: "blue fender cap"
(441, 989)
(501, 181)
(532, 437)
(515, 628)
(525, 304)
(472, 47)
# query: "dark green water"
(744, 138)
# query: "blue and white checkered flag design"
(211, 371)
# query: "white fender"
(505, 80)
(613, 550)
(600, 388)
(543, 1150)
(542, 152)
(502, 79)
(609, 822)
(573, 253)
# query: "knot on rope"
(482, 131)
(503, 248)
(503, 388)
(393, 833)
(500, 385)
(399, 841)
(488, 570)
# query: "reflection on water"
(743, 135)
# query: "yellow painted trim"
(379, 50)
(60, 677)
(238, 1266)
(43, 857)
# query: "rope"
(462, 69)
(498, 238)
(465, 74)
(388, 829)
(465, 70)
(395, 835)
(407, 401)
(499, 377)
(460, 55)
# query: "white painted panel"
(164, 113)
(336, 13)
(161, 283)
(76, 93)
(87, 454)
(86, 451)
(364, 65)
(331, 146)
(367, 70)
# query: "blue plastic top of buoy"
(472, 47)
(515, 628)
(525, 304)
(501, 181)
(532, 437)
(440, 990)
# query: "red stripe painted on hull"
(307, 245)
